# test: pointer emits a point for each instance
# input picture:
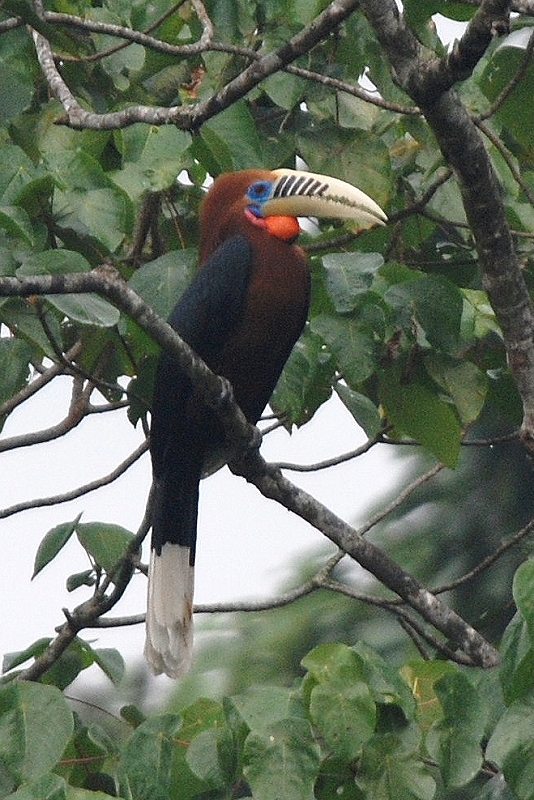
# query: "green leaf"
(157, 152)
(12, 660)
(15, 356)
(285, 90)
(326, 661)
(103, 214)
(53, 262)
(110, 662)
(341, 705)
(523, 590)
(305, 383)
(353, 349)
(263, 706)
(390, 769)
(464, 382)
(344, 714)
(282, 761)
(387, 686)
(85, 578)
(348, 276)
(235, 126)
(351, 155)
(104, 542)
(517, 676)
(87, 309)
(49, 787)
(52, 543)
(211, 757)
(147, 761)
(336, 780)
(16, 91)
(455, 741)
(75, 659)
(162, 282)
(437, 305)
(16, 171)
(16, 222)
(362, 409)
(506, 60)
(418, 412)
(510, 747)
(35, 727)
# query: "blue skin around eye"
(258, 194)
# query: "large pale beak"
(303, 194)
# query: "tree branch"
(191, 117)
(273, 485)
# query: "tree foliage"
(424, 330)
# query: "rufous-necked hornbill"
(242, 315)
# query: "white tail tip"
(169, 617)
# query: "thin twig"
(73, 494)
(399, 499)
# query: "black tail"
(169, 639)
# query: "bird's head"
(273, 199)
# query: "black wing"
(182, 433)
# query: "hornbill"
(242, 314)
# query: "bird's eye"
(260, 191)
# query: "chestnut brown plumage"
(242, 315)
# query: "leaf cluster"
(351, 726)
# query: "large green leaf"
(353, 349)
(282, 761)
(353, 156)
(507, 59)
(523, 589)
(15, 358)
(35, 727)
(162, 282)
(436, 304)
(345, 715)
(305, 382)
(148, 759)
(419, 412)
(262, 706)
(104, 214)
(518, 654)
(233, 141)
(16, 222)
(392, 769)
(156, 152)
(16, 171)
(211, 758)
(362, 409)
(106, 543)
(463, 381)
(87, 309)
(455, 741)
(348, 276)
(51, 544)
